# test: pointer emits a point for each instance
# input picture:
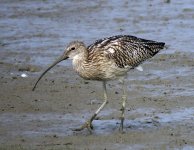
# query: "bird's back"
(125, 50)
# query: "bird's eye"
(73, 48)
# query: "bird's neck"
(78, 62)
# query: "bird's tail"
(155, 47)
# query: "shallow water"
(36, 32)
(28, 124)
(45, 27)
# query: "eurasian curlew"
(108, 59)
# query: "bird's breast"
(99, 70)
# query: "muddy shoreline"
(160, 106)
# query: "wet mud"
(160, 104)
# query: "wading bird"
(108, 59)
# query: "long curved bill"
(55, 63)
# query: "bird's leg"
(124, 98)
(88, 123)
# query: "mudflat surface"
(160, 105)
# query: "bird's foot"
(87, 124)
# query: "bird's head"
(73, 50)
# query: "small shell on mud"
(23, 75)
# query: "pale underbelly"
(104, 75)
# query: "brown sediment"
(160, 105)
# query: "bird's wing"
(127, 50)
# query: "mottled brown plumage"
(108, 59)
(129, 50)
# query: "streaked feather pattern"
(128, 50)
(110, 58)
